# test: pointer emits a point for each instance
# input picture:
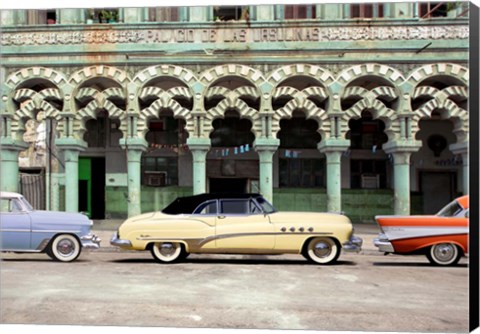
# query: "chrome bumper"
(115, 241)
(383, 244)
(90, 241)
(353, 245)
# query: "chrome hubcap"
(322, 249)
(66, 247)
(444, 252)
(167, 249)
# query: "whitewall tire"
(322, 250)
(444, 254)
(168, 252)
(64, 248)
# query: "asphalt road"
(363, 292)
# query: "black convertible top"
(189, 203)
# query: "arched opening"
(438, 170)
(300, 164)
(368, 162)
(232, 164)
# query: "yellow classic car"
(236, 224)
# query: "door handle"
(221, 217)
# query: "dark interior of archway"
(231, 131)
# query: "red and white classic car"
(443, 237)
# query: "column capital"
(72, 144)
(459, 148)
(199, 143)
(10, 144)
(402, 146)
(134, 143)
(266, 144)
(333, 145)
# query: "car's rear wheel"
(322, 250)
(64, 248)
(444, 254)
(168, 251)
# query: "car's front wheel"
(444, 254)
(322, 250)
(168, 251)
(64, 248)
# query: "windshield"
(266, 206)
(450, 210)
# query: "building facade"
(360, 108)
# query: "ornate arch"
(232, 99)
(385, 72)
(288, 71)
(163, 99)
(369, 101)
(301, 100)
(255, 77)
(31, 101)
(443, 100)
(427, 71)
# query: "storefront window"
(159, 171)
(306, 173)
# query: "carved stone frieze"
(234, 35)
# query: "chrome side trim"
(406, 232)
(203, 241)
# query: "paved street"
(363, 292)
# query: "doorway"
(228, 185)
(91, 187)
(438, 189)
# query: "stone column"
(333, 150)
(134, 147)
(401, 152)
(462, 149)
(199, 148)
(71, 148)
(266, 148)
(9, 164)
(401, 182)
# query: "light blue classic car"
(60, 235)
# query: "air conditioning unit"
(155, 179)
(370, 181)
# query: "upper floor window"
(293, 12)
(230, 13)
(163, 14)
(433, 9)
(48, 16)
(366, 10)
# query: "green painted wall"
(153, 199)
(358, 204)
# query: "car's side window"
(235, 206)
(467, 214)
(9, 205)
(206, 208)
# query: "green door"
(85, 186)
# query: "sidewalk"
(105, 229)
